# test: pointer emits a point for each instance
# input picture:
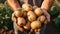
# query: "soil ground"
(49, 30)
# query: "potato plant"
(55, 13)
(5, 15)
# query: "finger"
(48, 18)
(13, 18)
(47, 15)
(19, 28)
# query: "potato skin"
(38, 11)
(27, 7)
(42, 18)
(21, 21)
(18, 13)
(30, 13)
(35, 24)
(31, 18)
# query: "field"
(6, 25)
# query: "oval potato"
(35, 24)
(18, 13)
(21, 21)
(38, 11)
(27, 7)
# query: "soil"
(3, 31)
(49, 30)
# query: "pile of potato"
(30, 18)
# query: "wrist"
(17, 9)
(43, 9)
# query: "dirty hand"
(14, 19)
(46, 14)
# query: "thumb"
(13, 18)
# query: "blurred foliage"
(2, 1)
(55, 14)
(6, 12)
(5, 15)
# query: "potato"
(31, 18)
(42, 18)
(38, 11)
(21, 21)
(18, 13)
(35, 24)
(30, 13)
(27, 26)
(27, 7)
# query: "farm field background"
(6, 25)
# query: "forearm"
(13, 4)
(47, 4)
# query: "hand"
(46, 14)
(13, 18)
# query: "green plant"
(2, 1)
(5, 15)
(57, 21)
(55, 12)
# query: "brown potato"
(21, 21)
(35, 25)
(27, 7)
(30, 13)
(31, 18)
(38, 11)
(42, 18)
(18, 13)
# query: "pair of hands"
(14, 19)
